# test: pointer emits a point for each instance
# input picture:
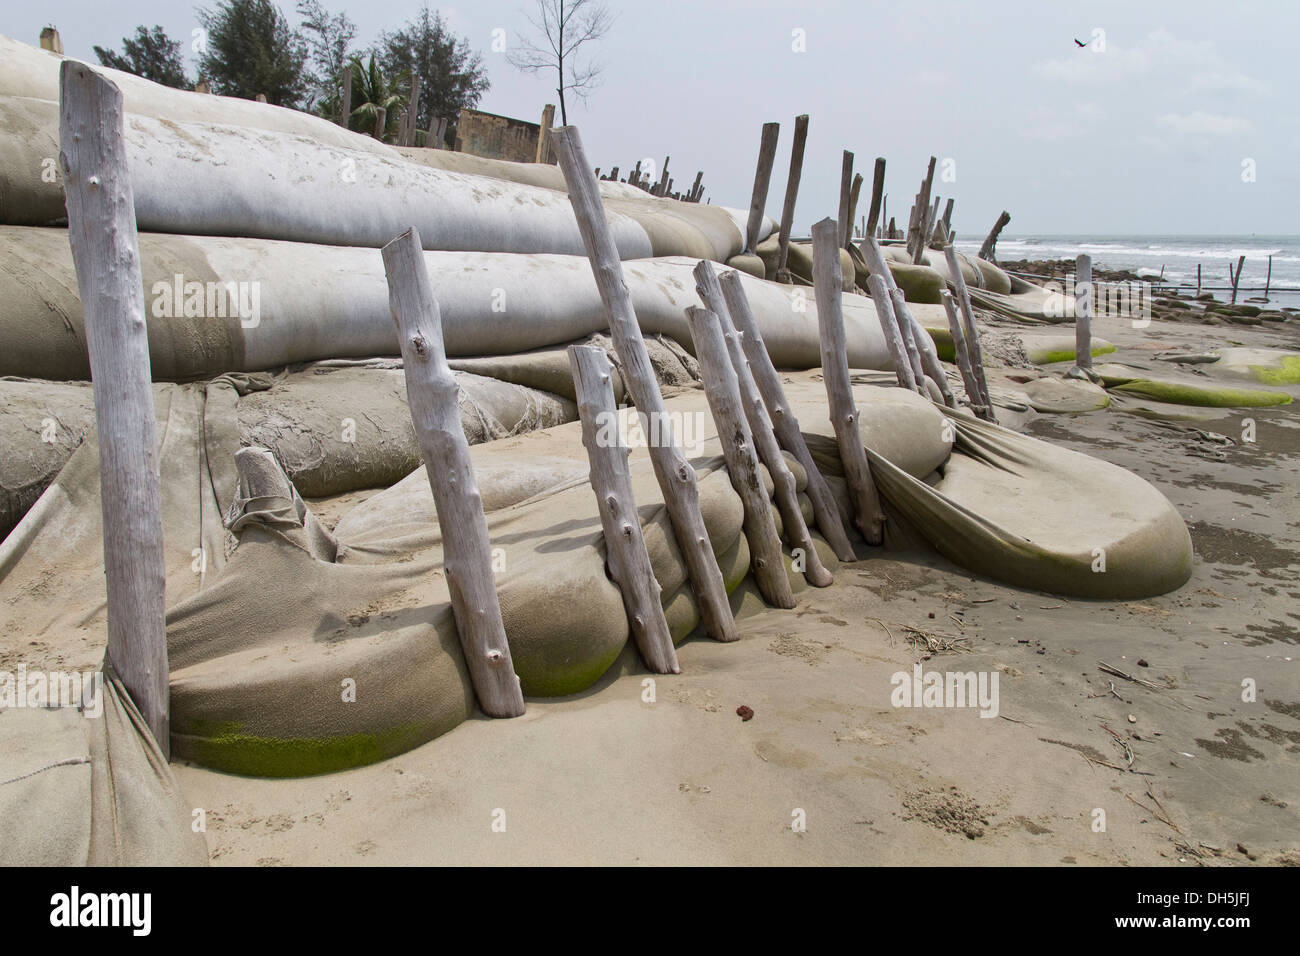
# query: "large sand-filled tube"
(317, 302)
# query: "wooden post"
(1198, 280)
(760, 426)
(893, 337)
(412, 112)
(345, 105)
(544, 139)
(828, 283)
(696, 188)
(1268, 279)
(1236, 277)
(675, 474)
(989, 249)
(877, 196)
(917, 242)
(102, 233)
(441, 138)
(846, 186)
(1083, 299)
(467, 550)
(723, 393)
(923, 349)
(50, 40)
(784, 422)
(762, 178)
(970, 329)
(909, 339)
(791, 194)
(625, 548)
(381, 123)
(962, 354)
(260, 98)
(854, 192)
(947, 221)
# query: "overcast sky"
(1144, 131)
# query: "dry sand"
(606, 777)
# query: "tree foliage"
(251, 49)
(373, 90)
(451, 75)
(329, 40)
(563, 28)
(151, 54)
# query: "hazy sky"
(1143, 131)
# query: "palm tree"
(373, 91)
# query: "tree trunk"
(102, 233)
(839, 389)
(675, 475)
(435, 413)
(625, 548)
(784, 423)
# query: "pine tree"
(152, 54)
(252, 50)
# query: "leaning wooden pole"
(877, 196)
(970, 329)
(1236, 278)
(784, 422)
(828, 283)
(925, 349)
(791, 194)
(910, 345)
(102, 233)
(917, 247)
(784, 490)
(989, 248)
(893, 337)
(625, 548)
(962, 354)
(854, 192)
(762, 180)
(675, 475)
(723, 394)
(433, 397)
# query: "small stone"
(1142, 662)
(1132, 719)
(744, 712)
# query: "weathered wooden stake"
(784, 490)
(433, 397)
(791, 194)
(1084, 296)
(910, 346)
(345, 106)
(381, 123)
(1198, 280)
(917, 240)
(723, 394)
(544, 139)
(970, 329)
(877, 197)
(988, 250)
(828, 283)
(921, 348)
(1268, 279)
(844, 223)
(625, 548)
(947, 219)
(102, 233)
(762, 179)
(893, 337)
(784, 422)
(412, 112)
(1236, 277)
(962, 354)
(675, 474)
(854, 192)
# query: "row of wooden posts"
(663, 186)
(744, 393)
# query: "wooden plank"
(626, 555)
(784, 491)
(791, 194)
(105, 254)
(433, 397)
(828, 283)
(784, 421)
(762, 179)
(722, 391)
(675, 474)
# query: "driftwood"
(675, 475)
(962, 354)
(827, 282)
(435, 413)
(877, 196)
(784, 422)
(625, 549)
(989, 248)
(846, 186)
(723, 394)
(102, 233)
(893, 337)
(791, 194)
(762, 179)
(970, 330)
(760, 426)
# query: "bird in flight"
(1078, 42)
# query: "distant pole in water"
(1268, 278)
(1198, 280)
(1236, 277)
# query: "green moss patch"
(224, 746)
(1177, 393)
